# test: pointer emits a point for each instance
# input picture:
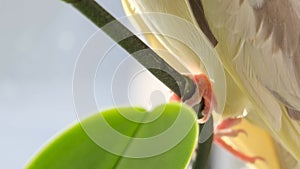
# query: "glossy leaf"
(83, 145)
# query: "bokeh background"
(39, 45)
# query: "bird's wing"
(271, 29)
(279, 37)
(259, 46)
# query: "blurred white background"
(39, 44)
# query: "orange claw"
(224, 130)
(237, 153)
(204, 90)
(229, 122)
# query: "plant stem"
(203, 149)
(178, 83)
(182, 85)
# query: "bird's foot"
(224, 130)
(203, 91)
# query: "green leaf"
(125, 138)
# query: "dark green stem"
(203, 149)
(178, 83)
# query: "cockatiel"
(258, 43)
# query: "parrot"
(257, 43)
